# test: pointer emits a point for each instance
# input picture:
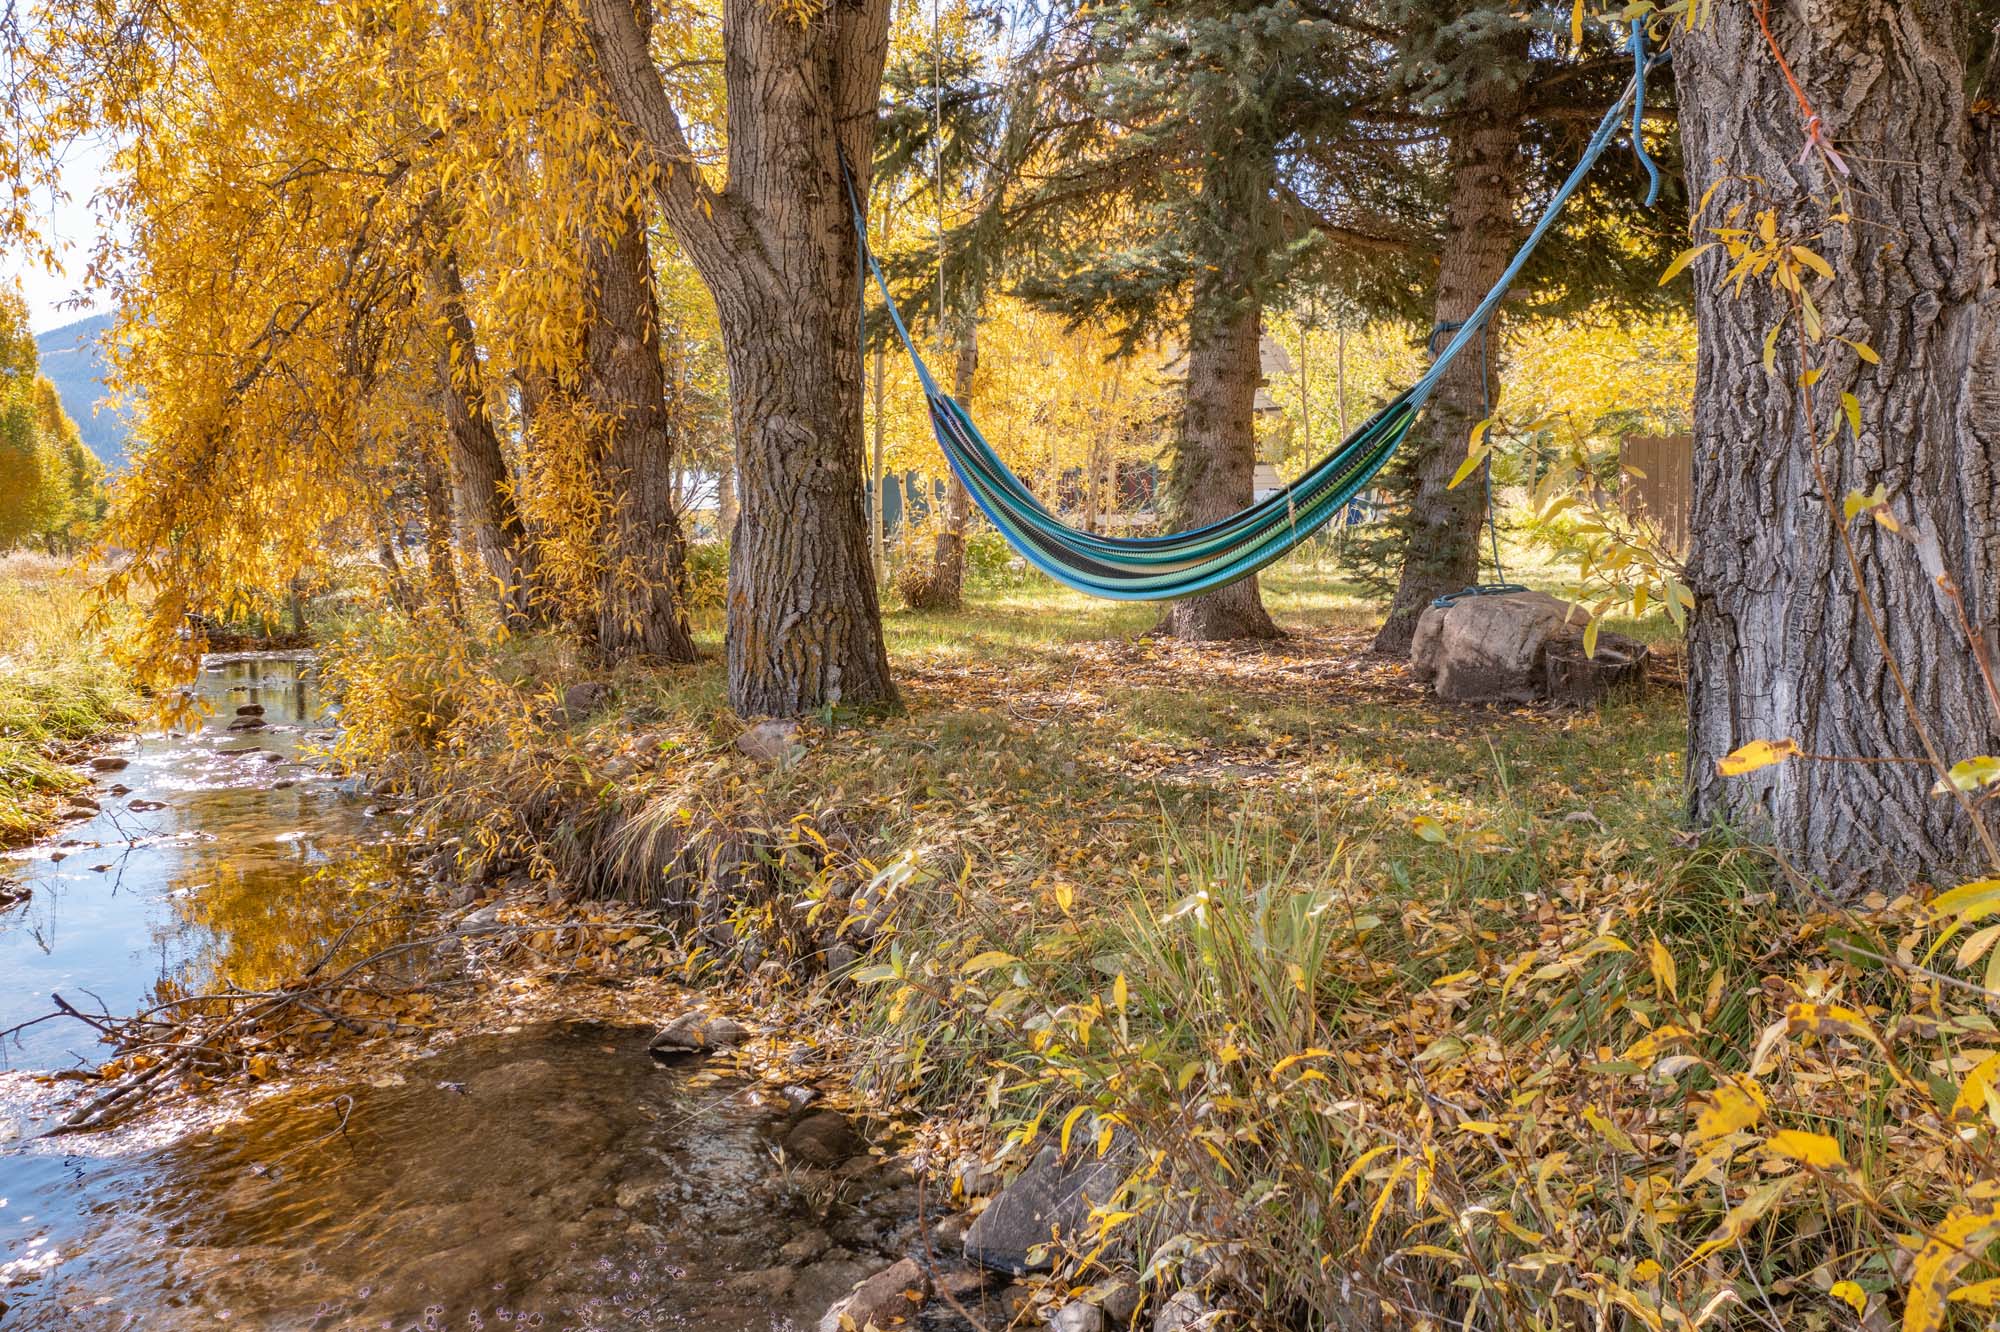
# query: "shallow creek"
(548, 1176)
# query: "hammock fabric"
(1185, 563)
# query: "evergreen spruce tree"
(1492, 105)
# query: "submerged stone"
(697, 1033)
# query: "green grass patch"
(60, 689)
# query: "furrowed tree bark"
(1441, 526)
(1778, 644)
(482, 483)
(639, 613)
(1215, 453)
(776, 248)
(942, 585)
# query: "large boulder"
(1520, 647)
(1051, 1196)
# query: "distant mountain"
(74, 363)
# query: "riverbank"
(1339, 1007)
(1335, 975)
(61, 694)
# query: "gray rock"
(486, 920)
(1185, 1312)
(823, 1138)
(772, 742)
(888, 1299)
(1519, 647)
(1050, 1196)
(1119, 1299)
(950, 1232)
(583, 698)
(802, 1249)
(697, 1033)
(108, 763)
(1078, 1316)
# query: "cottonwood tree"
(1866, 645)
(51, 488)
(775, 246)
(351, 233)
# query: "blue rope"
(1639, 70)
(1157, 568)
(1642, 65)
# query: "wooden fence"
(1656, 477)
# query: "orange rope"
(1815, 127)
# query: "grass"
(1425, 1011)
(59, 690)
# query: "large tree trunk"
(942, 585)
(1779, 645)
(1215, 452)
(482, 483)
(1441, 526)
(777, 249)
(638, 594)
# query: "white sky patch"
(72, 227)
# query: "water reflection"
(553, 1178)
(200, 866)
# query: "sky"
(70, 224)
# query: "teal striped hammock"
(1182, 564)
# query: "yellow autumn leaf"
(1353, 1171)
(1682, 260)
(1736, 1105)
(986, 962)
(1757, 754)
(1813, 1149)
(1474, 456)
(1736, 1224)
(1980, 1294)
(1977, 1092)
(1288, 1061)
(1069, 1123)
(1968, 902)
(1608, 1130)
(1665, 976)
(1852, 1295)
(1946, 1250)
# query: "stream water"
(551, 1176)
